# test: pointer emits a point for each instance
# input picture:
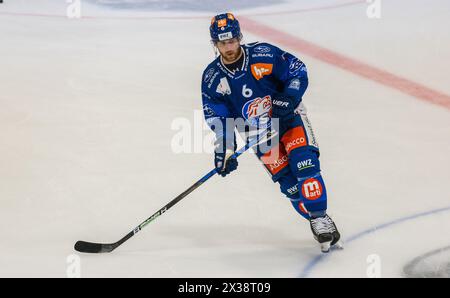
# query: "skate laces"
(323, 225)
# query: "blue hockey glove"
(224, 164)
(283, 106)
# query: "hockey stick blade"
(93, 248)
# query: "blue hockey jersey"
(248, 93)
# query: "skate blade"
(339, 245)
(325, 247)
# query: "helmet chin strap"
(216, 51)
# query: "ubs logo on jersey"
(256, 108)
(260, 70)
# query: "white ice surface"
(85, 145)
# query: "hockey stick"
(90, 247)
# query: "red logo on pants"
(275, 160)
(294, 138)
(312, 189)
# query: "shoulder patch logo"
(295, 84)
(259, 70)
(208, 75)
(296, 66)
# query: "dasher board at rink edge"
(192, 5)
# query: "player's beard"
(232, 56)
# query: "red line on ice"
(354, 66)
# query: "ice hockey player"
(255, 82)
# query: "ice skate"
(326, 233)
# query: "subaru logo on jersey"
(255, 108)
(262, 49)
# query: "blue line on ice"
(316, 260)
